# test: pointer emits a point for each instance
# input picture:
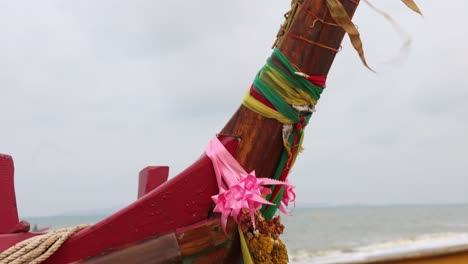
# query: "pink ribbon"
(239, 190)
(288, 196)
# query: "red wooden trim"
(150, 178)
(21, 227)
(182, 201)
(8, 211)
(9, 240)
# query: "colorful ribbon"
(239, 190)
(281, 91)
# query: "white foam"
(428, 242)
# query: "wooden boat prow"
(155, 214)
(254, 140)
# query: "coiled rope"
(37, 249)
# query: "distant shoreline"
(109, 211)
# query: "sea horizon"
(112, 209)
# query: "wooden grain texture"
(206, 242)
(160, 250)
(261, 141)
(313, 59)
(203, 236)
(217, 255)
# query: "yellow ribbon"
(244, 247)
(253, 104)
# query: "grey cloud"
(93, 91)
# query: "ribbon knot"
(239, 190)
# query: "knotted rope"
(37, 249)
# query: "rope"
(37, 249)
(318, 44)
(315, 16)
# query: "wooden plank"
(159, 250)
(203, 236)
(216, 255)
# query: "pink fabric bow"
(288, 196)
(239, 190)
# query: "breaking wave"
(423, 243)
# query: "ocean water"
(352, 233)
(341, 234)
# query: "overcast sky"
(93, 91)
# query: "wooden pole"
(261, 138)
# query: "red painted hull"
(177, 203)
